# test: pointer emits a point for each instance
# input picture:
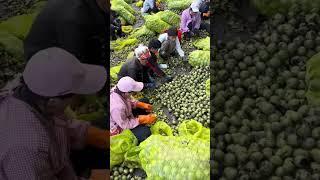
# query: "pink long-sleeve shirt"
(186, 18)
(121, 116)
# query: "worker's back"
(78, 26)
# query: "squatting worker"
(155, 70)
(115, 26)
(203, 6)
(149, 6)
(204, 9)
(190, 22)
(79, 26)
(137, 67)
(122, 110)
(36, 137)
(170, 44)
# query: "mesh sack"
(154, 23)
(125, 14)
(193, 128)
(169, 17)
(119, 145)
(203, 44)
(142, 32)
(161, 128)
(119, 44)
(175, 157)
(178, 4)
(123, 4)
(199, 58)
(18, 26)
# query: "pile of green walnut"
(263, 125)
(124, 172)
(185, 97)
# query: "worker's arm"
(178, 48)
(100, 174)
(124, 122)
(98, 138)
(163, 37)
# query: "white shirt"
(163, 37)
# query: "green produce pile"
(271, 7)
(124, 171)
(185, 97)
(208, 86)
(263, 127)
(124, 10)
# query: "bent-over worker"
(190, 22)
(170, 44)
(155, 70)
(137, 67)
(122, 115)
(149, 6)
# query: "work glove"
(145, 106)
(147, 119)
(184, 58)
(206, 14)
(150, 85)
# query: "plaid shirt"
(35, 148)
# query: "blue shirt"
(147, 4)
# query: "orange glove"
(206, 14)
(147, 119)
(146, 106)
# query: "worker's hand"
(206, 14)
(145, 106)
(100, 174)
(184, 58)
(98, 138)
(150, 85)
(168, 79)
(147, 119)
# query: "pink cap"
(55, 72)
(127, 84)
